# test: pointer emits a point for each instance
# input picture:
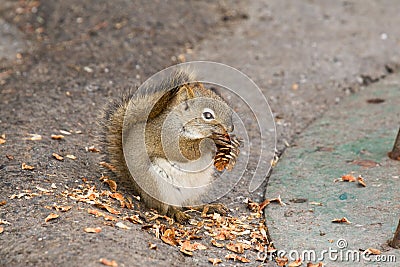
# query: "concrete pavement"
(353, 138)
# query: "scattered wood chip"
(216, 244)
(3, 202)
(316, 203)
(65, 132)
(34, 137)
(133, 219)
(372, 251)
(4, 222)
(43, 189)
(2, 140)
(111, 183)
(108, 208)
(348, 178)
(1, 229)
(57, 136)
(169, 237)
(214, 261)
(264, 204)
(107, 165)
(10, 157)
(122, 226)
(109, 263)
(57, 157)
(94, 230)
(62, 208)
(92, 149)
(25, 166)
(279, 200)
(375, 100)
(152, 246)
(298, 262)
(319, 264)
(235, 257)
(361, 181)
(70, 156)
(281, 261)
(237, 247)
(341, 220)
(51, 216)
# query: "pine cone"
(227, 151)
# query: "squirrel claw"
(179, 216)
(214, 208)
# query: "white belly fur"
(179, 187)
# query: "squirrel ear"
(185, 92)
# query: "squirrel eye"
(208, 114)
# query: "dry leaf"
(319, 264)
(2, 141)
(3, 202)
(361, 181)
(298, 262)
(236, 258)
(214, 261)
(348, 178)
(108, 262)
(152, 246)
(58, 157)
(10, 157)
(1, 229)
(372, 251)
(92, 230)
(25, 166)
(51, 216)
(342, 220)
(122, 226)
(34, 137)
(70, 157)
(57, 136)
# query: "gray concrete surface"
(352, 138)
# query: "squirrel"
(164, 139)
